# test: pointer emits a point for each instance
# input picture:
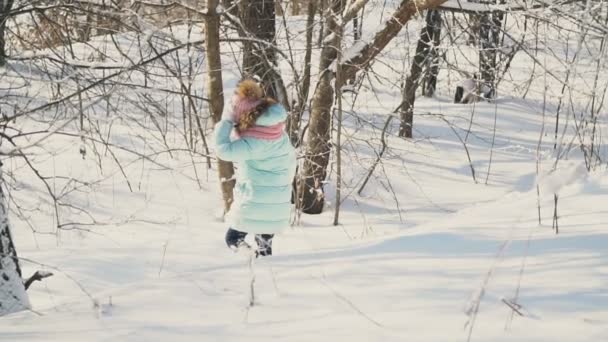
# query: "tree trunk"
(474, 20)
(489, 36)
(13, 297)
(413, 79)
(357, 29)
(318, 146)
(295, 119)
(429, 83)
(215, 91)
(258, 18)
(295, 7)
(321, 9)
(5, 8)
(357, 34)
(338, 85)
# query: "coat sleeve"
(227, 150)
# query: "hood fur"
(250, 90)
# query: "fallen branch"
(38, 276)
(514, 306)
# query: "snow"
(424, 254)
(469, 6)
(465, 6)
(330, 37)
(353, 51)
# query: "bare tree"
(259, 59)
(215, 89)
(318, 147)
(423, 53)
(429, 81)
(490, 25)
(293, 126)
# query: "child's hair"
(248, 119)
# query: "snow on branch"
(475, 7)
(367, 53)
(351, 11)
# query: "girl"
(266, 164)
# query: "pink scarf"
(273, 132)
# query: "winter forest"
(450, 176)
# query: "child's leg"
(264, 242)
(234, 237)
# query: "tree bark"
(5, 8)
(318, 148)
(295, 119)
(357, 34)
(474, 20)
(489, 36)
(429, 82)
(413, 79)
(13, 297)
(258, 18)
(215, 91)
(338, 85)
(321, 9)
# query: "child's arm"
(228, 150)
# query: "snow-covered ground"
(425, 253)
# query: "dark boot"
(235, 238)
(264, 242)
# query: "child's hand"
(228, 115)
